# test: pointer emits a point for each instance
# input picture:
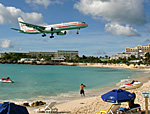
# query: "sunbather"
(132, 106)
(131, 103)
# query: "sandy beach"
(92, 104)
(89, 105)
(109, 65)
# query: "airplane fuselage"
(58, 27)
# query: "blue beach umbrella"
(117, 96)
(11, 108)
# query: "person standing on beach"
(82, 90)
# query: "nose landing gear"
(78, 31)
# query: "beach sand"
(92, 104)
(110, 65)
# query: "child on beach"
(82, 89)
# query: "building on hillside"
(123, 55)
(141, 50)
(36, 54)
(58, 55)
(67, 53)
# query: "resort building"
(37, 54)
(138, 52)
(65, 53)
(54, 55)
(141, 50)
(59, 53)
(123, 55)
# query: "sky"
(113, 25)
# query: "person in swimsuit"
(82, 90)
(131, 102)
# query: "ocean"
(59, 83)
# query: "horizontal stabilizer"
(17, 30)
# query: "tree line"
(77, 59)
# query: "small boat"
(133, 85)
(6, 80)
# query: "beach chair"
(129, 110)
(112, 109)
(50, 108)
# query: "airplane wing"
(39, 28)
(17, 30)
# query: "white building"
(123, 55)
(58, 59)
(141, 50)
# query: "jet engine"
(62, 33)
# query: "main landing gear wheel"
(52, 35)
(44, 35)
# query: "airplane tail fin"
(20, 19)
(23, 27)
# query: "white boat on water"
(133, 85)
(6, 80)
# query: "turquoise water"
(41, 81)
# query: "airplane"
(59, 29)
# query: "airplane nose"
(86, 25)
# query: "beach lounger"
(112, 109)
(130, 110)
(50, 108)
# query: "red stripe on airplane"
(57, 27)
(68, 25)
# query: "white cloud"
(117, 29)
(45, 3)
(121, 11)
(10, 15)
(5, 43)
(129, 12)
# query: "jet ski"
(133, 85)
(6, 80)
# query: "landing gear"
(44, 35)
(52, 35)
(78, 31)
